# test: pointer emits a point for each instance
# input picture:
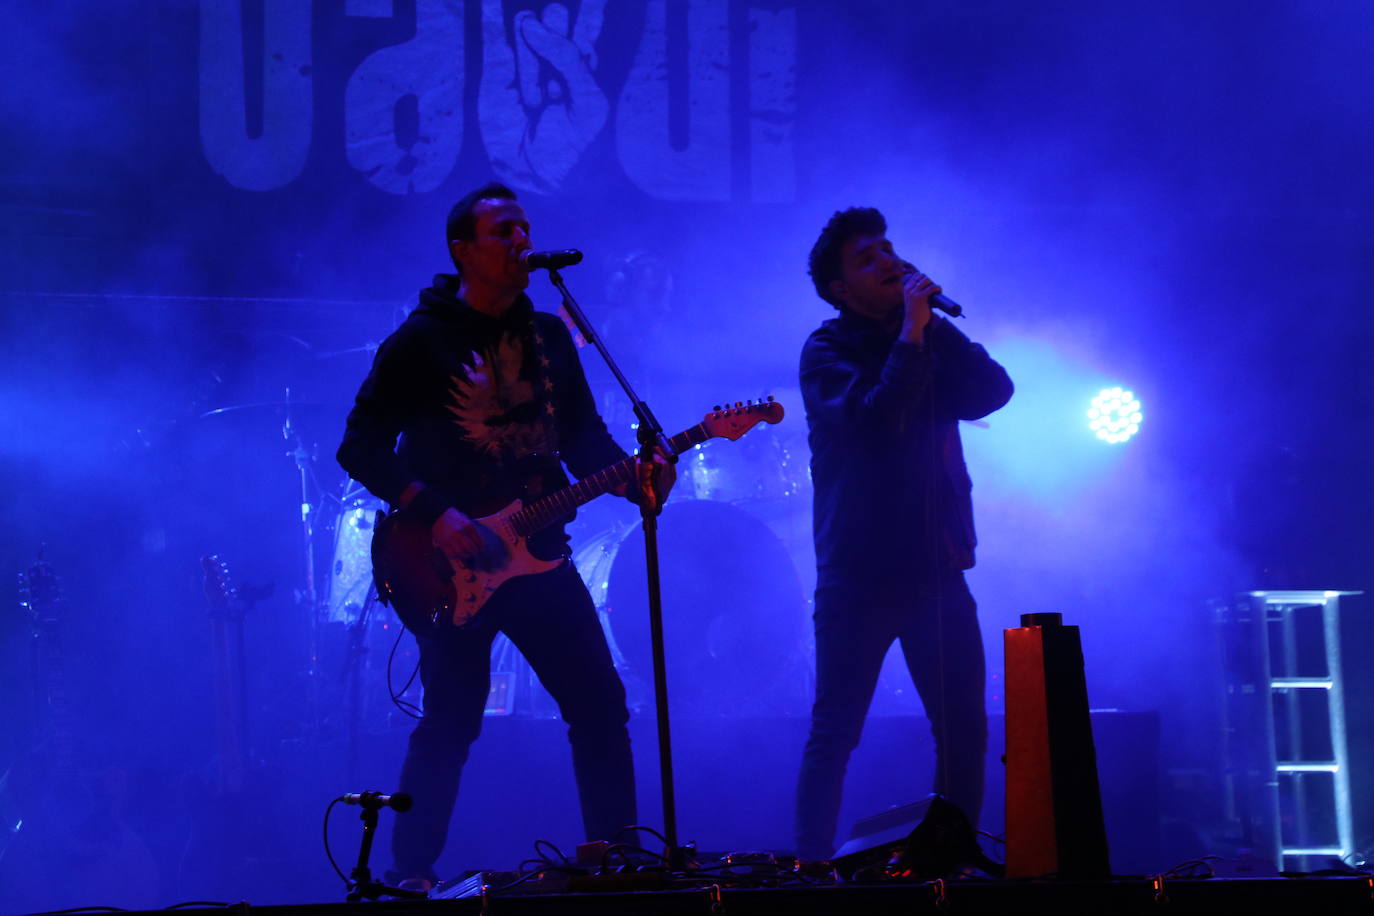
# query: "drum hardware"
(764, 467)
(350, 569)
(286, 408)
(369, 347)
(351, 602)
(289, 412)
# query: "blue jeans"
(550, 618)
(937, 625)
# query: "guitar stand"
(649, 434)
(361, 884)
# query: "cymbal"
(369, 347)
(258, 406)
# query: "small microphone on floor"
(398, 802)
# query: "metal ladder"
(1304, 794)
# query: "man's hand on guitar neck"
(654, 482)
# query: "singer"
(477, 385)
(885, 384)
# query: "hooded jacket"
(475, 408)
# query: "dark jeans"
(551, 620)
(938, 629)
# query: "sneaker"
(418, 885)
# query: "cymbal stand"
(649, 434)
(304, 457)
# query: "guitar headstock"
(220, 592)
(40, 595)
(731, 422)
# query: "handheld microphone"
(551, 259)
(947, 305)
(376, 800)
(939, 300)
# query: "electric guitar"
(231, 806)
(429, 591)
(226, 624)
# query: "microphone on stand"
(376, 800)
(552, 260)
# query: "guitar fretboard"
(544, 512)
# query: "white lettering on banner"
(539, 106)
(403, 106)
(276, 156)
(701, 169)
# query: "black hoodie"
(472, 402)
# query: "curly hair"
(824, 263)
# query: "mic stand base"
(361, 885)
(369, 889)
(681, 859)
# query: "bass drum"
(734, 613)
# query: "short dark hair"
(824, 263)
(462, 223)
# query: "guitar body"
(428, 591)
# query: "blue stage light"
(1115, 415)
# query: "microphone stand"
(304, 457)
(649, 434)
(361, 884)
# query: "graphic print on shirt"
(495, 406)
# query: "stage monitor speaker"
(1054, 804)
(927, 839)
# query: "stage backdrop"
(214, 211)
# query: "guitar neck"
(541, 513)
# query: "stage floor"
(1307, 895)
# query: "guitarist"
(487, 395)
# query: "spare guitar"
(430, 592)
(231, 834)
(226, 627)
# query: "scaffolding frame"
(1276, 612)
